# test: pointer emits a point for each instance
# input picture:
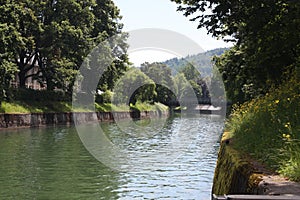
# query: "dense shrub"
(38, 95)
(105, 97)
(268, 128)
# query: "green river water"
(53, 163)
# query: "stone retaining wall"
(42, 119)
(233, 174)
(237, 174)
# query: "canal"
(53, 163)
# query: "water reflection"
(52, 163)
(189, 176)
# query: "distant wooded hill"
(202, 61)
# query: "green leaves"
(55, 37)
(7, 72)
(267, 41)
(132, 87)
(162, 76)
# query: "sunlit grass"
(35, 107)
(107, 107)
(48, 107)
(268, 129)
(143, 106)
(14, 108)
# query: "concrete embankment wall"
(43, 119)
(234, 173)
(238, 174)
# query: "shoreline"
(29, 120)
(236, 173)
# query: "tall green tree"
(194, 77)
(57, 35)
(7, 73)
(161, 74)
(182, 86)
(197, 82)
(266, 35)
(134, 86)
(8, 67)
(18, 24)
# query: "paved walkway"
(276, 185)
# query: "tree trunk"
(22, 79)
(50, 84)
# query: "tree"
(197, 83)
(266, 35)
(182, 86)
(234, 74)
(7, 72)
(107, 27)
(57, 35)
(161, 74)
(17, 36)
(8, 68)
(132, 87)
(190, 72)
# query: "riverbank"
(23, 114)
(25, 107)
(237, 173)
(268, 129)
(66, 118)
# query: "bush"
(268, 128)
(21, 94)
(105, 97)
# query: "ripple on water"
(52, 163)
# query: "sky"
(162, 14)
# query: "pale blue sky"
(138, 14)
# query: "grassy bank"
(49, 107)
(268, 129)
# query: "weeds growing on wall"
(268, 129)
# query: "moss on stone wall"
(42, 119)
(234, 174)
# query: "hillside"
(201, 61)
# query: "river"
(53, 163)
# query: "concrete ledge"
(43, 119)
(255, 197)
(236, 174)
(233, 174)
